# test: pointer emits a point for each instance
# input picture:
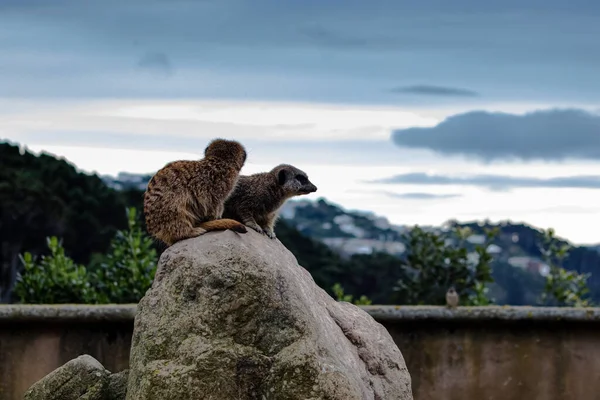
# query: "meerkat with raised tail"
(185, 199)
(257, 198)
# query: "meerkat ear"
(281, 177)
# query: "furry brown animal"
(186, 199)
(257, 198)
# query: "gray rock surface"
(117, 385)
(234, 316)
(82, 378)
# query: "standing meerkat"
(257, 198)
(185, 199)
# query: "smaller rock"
(117, 385)
(81, 378)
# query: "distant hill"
(351, 232)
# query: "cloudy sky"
(419, 111)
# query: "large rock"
(82, 378)
(234, 316)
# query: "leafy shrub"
(55, 279)
(434, 262)
(338, 290)
(127, 271)
(121, 276)
(562, 288)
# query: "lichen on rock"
(235, 317)
(117, 385)
(82, 378)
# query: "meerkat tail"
(223, 224)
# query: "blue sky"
(419, 111)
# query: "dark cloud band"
(495, 182)
(429, 90)
(421, 196)
(544, 135)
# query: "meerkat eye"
(302, 179)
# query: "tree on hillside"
(373, 275)
(41, 196)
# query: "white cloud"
(264, 114)
(111, 161)
(208, 119)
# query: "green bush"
(432, 265)
(338, 291)
(55, 279)
(121, 276)
(562, 288)
(127, 271)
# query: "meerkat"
(451, 298)
(185, 199)
(257, 198)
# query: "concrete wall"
(34, 340)
(480, 353)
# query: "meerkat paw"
(270, 233)
(254, 226)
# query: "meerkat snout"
(307, 188)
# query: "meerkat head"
(228, 150)
(293, 181)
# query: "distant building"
(472, 258)
(531, 264)
(494, 249)
(126, 180)
(346, 224)
(381, 223)
(346, 247)
(476, 239)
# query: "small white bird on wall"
(452, 297)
